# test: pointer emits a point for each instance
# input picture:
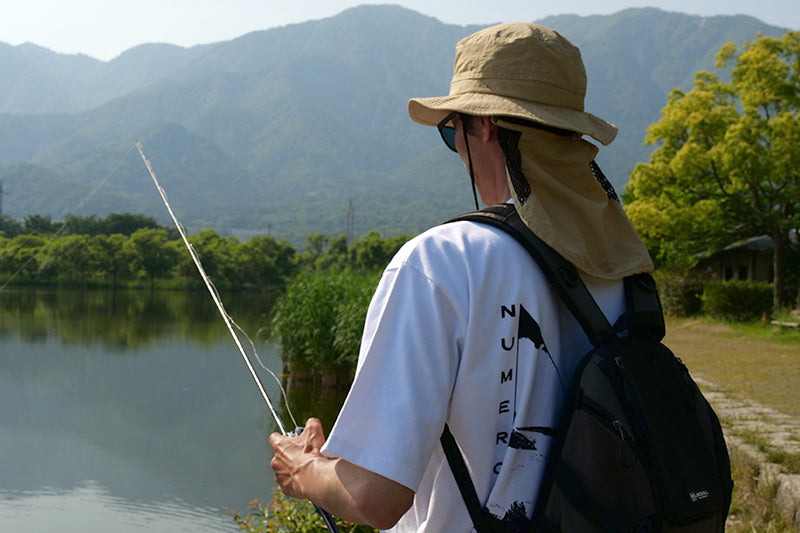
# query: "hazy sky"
(105, 28)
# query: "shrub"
(287, 515)
(737, 301)
(320, 320)
(680, 295)
(350, 313)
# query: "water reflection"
(123, 319)
(310, 399)
(91, 509)
(132, 411)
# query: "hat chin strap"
(471, 171)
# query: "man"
(464, 329)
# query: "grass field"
(761, 363)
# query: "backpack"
(637, 447)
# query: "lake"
(131, 411)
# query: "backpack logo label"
(698, 496)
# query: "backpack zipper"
(614, 425)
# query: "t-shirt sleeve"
(395, 411)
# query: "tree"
(67, 257)
(127, 223)
(217, 254)
(335, 256)
(77, 225)
(150, 252)
(20, 255)
(266, 263)
(109, 256)
(727, 159)
(39, 225)
(9, 227)
(315, 245)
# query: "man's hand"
(338, 486)
(293, 454)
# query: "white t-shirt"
(465, 330)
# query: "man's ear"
(486, 129)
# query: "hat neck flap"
(568, 209)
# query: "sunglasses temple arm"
(471, 172)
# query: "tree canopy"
(727, 159)
(52, 252)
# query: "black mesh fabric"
(603, 181)
(509, 143)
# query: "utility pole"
(1, 197)
(351, 213)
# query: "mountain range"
(285, 131)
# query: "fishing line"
(213, 291)
(326, 517)
(66, 220)
(275, 377)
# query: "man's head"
(512, 81)
(523, 71)
(475, 139)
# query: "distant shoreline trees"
(122, 223)
(124, 250)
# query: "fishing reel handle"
(296, 432)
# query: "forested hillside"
(279, 131)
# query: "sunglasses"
(448, 133)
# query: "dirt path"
(744, 417)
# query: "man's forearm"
(338, 486)
(355, 494)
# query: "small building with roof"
(747, 259)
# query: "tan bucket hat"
(531, 72)
(518, 70)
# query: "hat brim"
(430, 111)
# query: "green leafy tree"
(67, 257)
(266, 263)
(4, 244)
(39, 225)
(369, 253)
(78, 225)
(111, 259)
(127, 223)
(217, 255)
(9, 227)
(335, 256)
(727, 159)
(315, 246)
(372, 253)
(22, 255)
(151, 253)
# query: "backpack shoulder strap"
(644, 317)
(481, 520)
(561, 274)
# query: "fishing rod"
(326, 517)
